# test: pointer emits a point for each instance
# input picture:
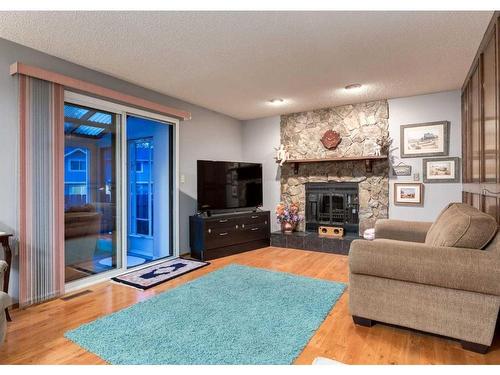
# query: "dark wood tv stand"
(225, 234)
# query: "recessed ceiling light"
(353, 86)
(277, 101)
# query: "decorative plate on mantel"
(331, 139)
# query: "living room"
(252, 188)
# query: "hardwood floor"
(36, 334)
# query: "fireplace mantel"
(368, 159)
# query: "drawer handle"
(223, 234)
(255, 229)
(255, 216)
(222, 220)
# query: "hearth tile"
(333, 245)
(344, 247)
(278, 240)
(294, 242)
(313, 242)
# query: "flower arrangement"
(288, 216)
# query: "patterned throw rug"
(235, 315)
(149, 277)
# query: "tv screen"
(227, 185)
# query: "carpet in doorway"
(149, 277)
(235, 315)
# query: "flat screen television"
(226, 185)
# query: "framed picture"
(441, 170)
(429, 139)
(409, 194)
(401, 169)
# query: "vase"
(287, 227)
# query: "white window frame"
(121, 175)
(78, 170)
(87, 163)
(132, 214)
(142, 167)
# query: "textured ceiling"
(233, 62)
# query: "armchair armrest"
(448, 267)
(411, 231)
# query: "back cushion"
(461, 225)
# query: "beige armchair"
(442, 278)
(5, 302)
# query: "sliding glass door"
(119, 188)
(91, 158)
(149, 168)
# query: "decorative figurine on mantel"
(331, 139)
(282, 154)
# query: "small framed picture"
(401, 170)
(428, 139)
(409, 194)
(441, 170)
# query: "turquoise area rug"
(235, 315)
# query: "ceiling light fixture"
(277, 101)
(353, 86)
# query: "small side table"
(4, 240)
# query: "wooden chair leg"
(362, 321)
(7, 315)
(473, 347)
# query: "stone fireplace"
(360, 126)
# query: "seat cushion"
(461, 225)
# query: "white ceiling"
(233, 62)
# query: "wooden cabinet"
(480, 126)
(216, 236)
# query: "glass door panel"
(91, 157)
(149, 169)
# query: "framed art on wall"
(440, 170)
(401, 169)
(428, 139)
(408, 194)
